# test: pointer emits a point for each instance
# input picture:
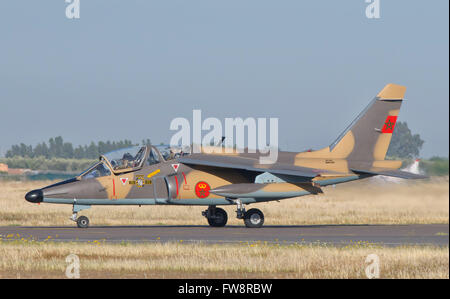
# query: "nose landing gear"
(82, 221)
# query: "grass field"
(363, 202)
(22, 259)
(370, 201)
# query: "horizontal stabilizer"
(391, 172)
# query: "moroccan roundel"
(202, 189)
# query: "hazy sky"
(125, 69)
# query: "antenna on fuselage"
(221, 141)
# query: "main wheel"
(83, 222)
(219, 219)
(254, 218)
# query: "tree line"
(58, 148)
(404, 145)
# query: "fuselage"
(173, 183)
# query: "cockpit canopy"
(126, 158)
(131, 159)
(97, 170)
(169, 152)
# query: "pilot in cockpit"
(127, 160)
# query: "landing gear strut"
(240, 209)
(253, 218)
(82, 221)
(217, 217)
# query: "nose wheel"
(82, 221)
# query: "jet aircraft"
(150, 175)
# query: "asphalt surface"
(388, 235)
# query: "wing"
(251, 164)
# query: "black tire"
(254, 218)
(220, 218)
(83, 222)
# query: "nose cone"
(35, 196)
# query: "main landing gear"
(253, 218)
(82, 221)
(217, 217)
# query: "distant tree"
(20, 150)
(403, 143)
(92, 151)
(41, 150)
(67, 150)
(78, 153)
(57, 148)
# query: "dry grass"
(169, 260)
(358, 202)
(363, 202)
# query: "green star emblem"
(389, 125)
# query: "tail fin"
(368, 137)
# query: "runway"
(387, 235)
